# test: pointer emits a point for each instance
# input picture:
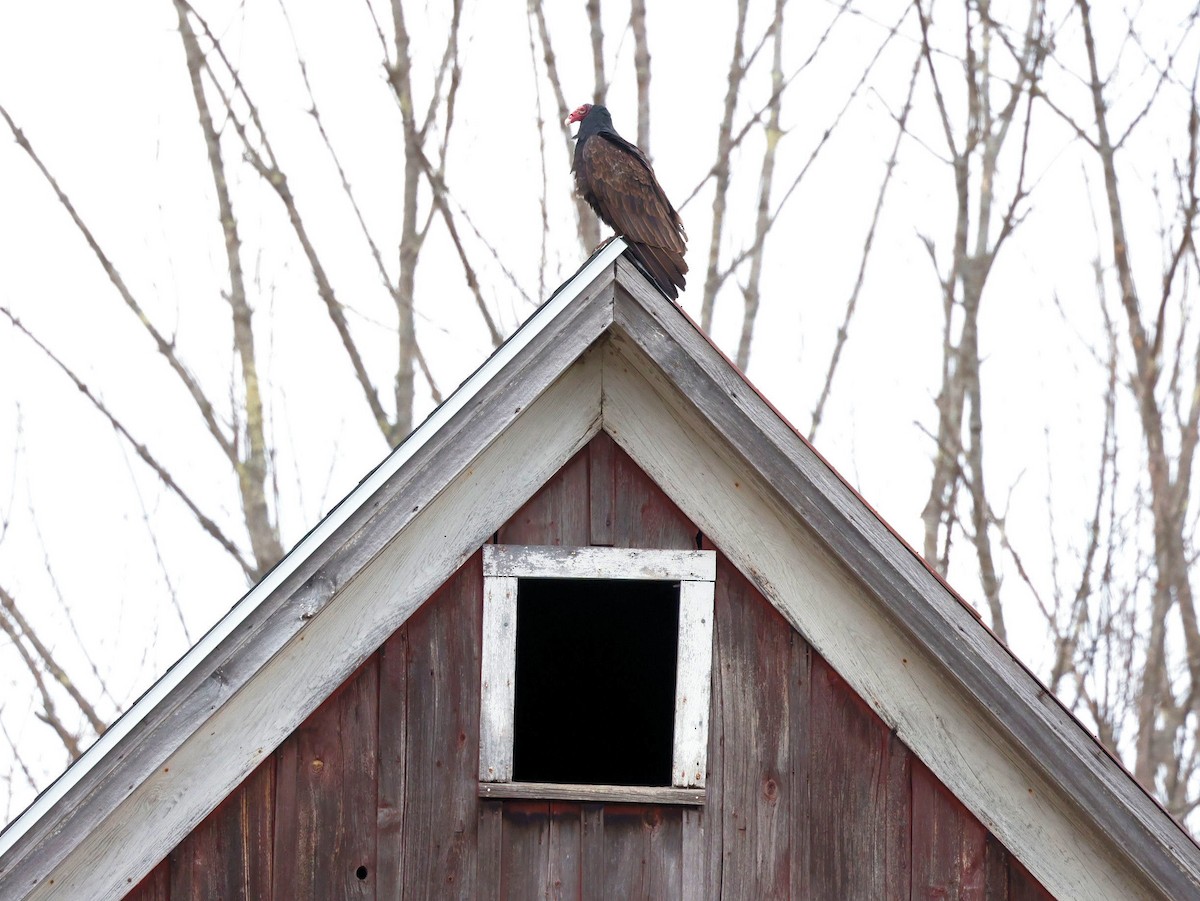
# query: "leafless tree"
(975, 139)
(962, 90)
(1154, 666)
(234, 135)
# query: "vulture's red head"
(580, 114)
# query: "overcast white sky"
(93, 547)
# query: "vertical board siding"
(591, 850)
(664, 852)
(855, 799)
(1022, 886)
(490, 853)
(563, 854)
(949, 844)
(155, 887)
(326, 797)
(601, 489)
(753, 747)
(996, 864)
(799, 717)
(525, 851)
(230, 854)
(558, 513)
(442, 754)
(644, 516)
(809, 795)
(393, 759)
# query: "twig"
(641, 70)
(843, 331)
(205, 523)
(165, 347)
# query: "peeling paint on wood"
(532, 561)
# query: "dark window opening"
(595, 681)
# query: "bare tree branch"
(264, 162)
(250, 465)
(737, 71)
(17, 627)
(641, 69)
(600, 91)
(165, 347)
(767, 177)
(589, 226)
(852, 304)
(149, 459)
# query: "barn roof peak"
(606, 352)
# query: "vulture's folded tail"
(664, 267)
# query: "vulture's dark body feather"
(616, 180)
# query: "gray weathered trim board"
(648, 564)
(604, 794)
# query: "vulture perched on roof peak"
(616, 180)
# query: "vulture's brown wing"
(627, 196)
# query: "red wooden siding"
(375, 796)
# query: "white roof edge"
(129, 720)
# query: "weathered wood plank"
(326, 797)
(498, 696)
(799, 802)
(753, 693)
(618, 794)
(712, 831)
(557, 513)
(393, 756)
(645, 516)
(693, 857)
(575, 526)
(960, 741)
(230, 854)
(447, 447)
(1022, 886)
(995, 870)
(693, 684)
(563, 854)
(549, 561)
(625, 852)
(949, 846)
(1050, 744)
(490, 858)
(897, 819)
(155, 887)
(850, 803)
(664, 855)
(525, 871)
(602, 478)
(591, 852)
(440, 798)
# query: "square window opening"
(595, 681)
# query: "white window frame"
(503, 565)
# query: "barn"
(604, 626)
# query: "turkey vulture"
(616, 180)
